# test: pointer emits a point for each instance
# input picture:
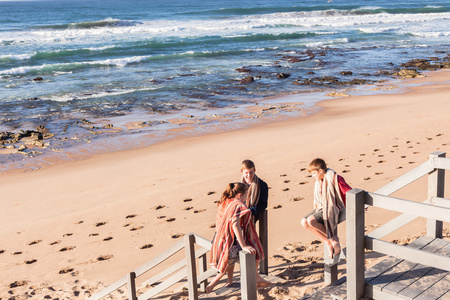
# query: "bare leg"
(230, 271)
(260, 282)
(214, 282)
(336, 246)
(319, 230)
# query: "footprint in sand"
(65, 270)
(104, 257)
(303, 182)
(100, 224)
(408, 142)
(286, 181)
(285, 189)
(211, 193)
(439, 134)
(381, 155)
(146, 246)
(54, 243)
(400, 167)
(176, 236)
(67, 234)
(18, 283)
(403, 156)
(341, 159)
(93, 234)
(395, 146)
(212, 225)
(34, 242)
(367, 178)
(303, 169)
(283, 175)
(136, 228)
(429, 139)
(297, 199)
(161, 217)
(345, 171)
(108, 238)
(378, 173)
(199, 211)
(130, 216)
(188, 208)
(277, 206)
(79, 222)
(369, 166)
(160, 206)
(416, 152)
(187, 200)
(29, 262)
(411, 162)
(170, 220)
(376, 150)
(67, 248)
(362, 154)
(2, 251)
(17, 253)
(409, 147)
(381, 161)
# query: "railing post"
(330, 269)
(190, 265)
(355, 244)
(436, 184)
(203, 267)
(131, 284)
(248, 280)
(264, 238)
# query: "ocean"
(108, 75)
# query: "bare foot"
(330, 249)
(336, 246)
(263, 283)
(209, 288)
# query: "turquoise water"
(141, 60)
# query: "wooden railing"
(187, 269)
(436, 209)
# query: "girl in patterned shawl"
(235, 231)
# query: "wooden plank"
(441, 163)
(391, 226)
(202, 242)
(355, 243)
(191, 266)
(248, 279)
(407, 206)
(406, 179)
(442, 287)
(430, 278)
(174, 279)
(264, 238)
(438, 201)
(412, 270)
(131, 284)
(160, 258)
(408, 253)
(180, 264)
(111, 288)
(436, 186)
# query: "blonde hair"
(316, 165)
(233, 189)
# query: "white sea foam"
(17, 56)
(96, 95)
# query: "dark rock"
(346, 73)
(283, 75)
(38, 79)
(247, 79)
(243, 70)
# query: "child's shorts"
(317, 214)
(233, 255)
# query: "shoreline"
(88, 222)
(87, 138)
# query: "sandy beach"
(72, 228)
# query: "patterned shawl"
(327, 193)
(253, 192)
(230, 211)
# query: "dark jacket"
(262, 202)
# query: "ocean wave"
(11, 57)
(67, 67)
(96, 95)
(108, 22)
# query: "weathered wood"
(355, 244)
(111, 288)
(264, 238)
(407, 206)
(411, 271)
(441, 162)
(438, 201)
(432, 277)
(203, 267)
(190, 266)
(202, 242)
(131, 284)
(160, 258)
(408, 253)
(248, 280)
(175, 267)
(436, 183)
(391, 226)
(406, 179)
(174, 279)
(442, 287)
